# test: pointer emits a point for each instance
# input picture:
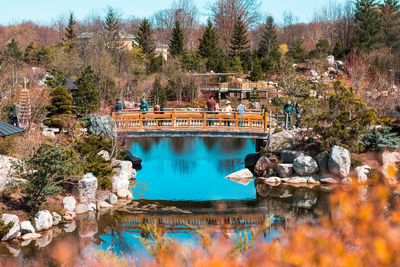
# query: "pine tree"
(177, 41)
(70, 34)
(377, 140)
(158, 93)
(239, 43)
(60, 108)
(30, 55)
(86, 98)
(112, 27)
(337, 50)
(12, 51)
(390, 21)
(268, 40)
(296, 52)
(209, 47)
(257, 73)
(367, 30)
(145, 38)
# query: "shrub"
(47, 172)
(377, 140)
(4, 228)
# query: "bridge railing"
(201, 120)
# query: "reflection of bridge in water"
(198, 123)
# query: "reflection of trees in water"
(230, 145)
(147, 143)
(227, 166)
(183, 166)
(181, 145)
(210, 142)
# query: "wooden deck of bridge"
(251, 124)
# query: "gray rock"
(31, 236)
(123, 193)
(305, 165)
(56, 218)
(6, 170)
(101, 125)
(284, 170)
(261, 167)
(87, 188)
(69, 203)
(112, 198)
(282, 140)
(26, 227)
(81, 209)
(104, 154)
(245, 173)
(339, 162)
(70, 227)
(288, 156)
(15, 229)
(304, 198)
(362, 173)
(322, 160)
(251, 160)
(330, 59)
(43, 220)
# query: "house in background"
(128, 39)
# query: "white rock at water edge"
(305, 165)
(69, 203)
(26, 227)
(242, 174)
(284, 170)
(123, 193)
(362, 172)
(339, 161)
(56, 218)
(14, 231)
(69, 216)
(43, 220)
(87, 188)
(31, 236)
(81, 209)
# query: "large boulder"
(87, 188)
(101, 125)
(69, 203)
(15, 229)
(330, 59)
(242, 174)
(322, 160)
(43, 220)
(81, 209)
(288, 156)
(339, 162)
(26, 227)
(31, 236)
(123, 173)
(284, 170)
(6, 170)
(282, 140)
(123, 193)
(136, 161)
(362, 173)
(250, 160)
(104, 154)
(57, 219)
(261, 167)
(305, 165)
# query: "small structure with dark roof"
(7, 129)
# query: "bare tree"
(226, 12)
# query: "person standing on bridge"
(211, 108)
(241, 111)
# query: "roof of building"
(7, 129)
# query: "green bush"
(4, 228)
(88, 148)
(377, 140)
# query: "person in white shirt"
(228, 107)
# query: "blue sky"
(46, 11)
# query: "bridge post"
(140, 121)
(265, 121)
(173, 120)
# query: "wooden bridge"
(196, 122)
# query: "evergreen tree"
(56, 78)
(296, 52)
(112, 28)
(390, 22)
(257, 73)
(158, 93)
(30, 55)
(209, 47)
(337, 50)
(86, 98)
(177, 41)
(268, 39)
(145, 38)
(13, 51)
(237, 65)
(60, 108)
(70, 34)
(239, 43)
(367, 24)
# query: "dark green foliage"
(322, 49)
(5, 228)
(70, 34)
(268, 39)
(337, 50)
(30, 55)
(257, 73)
(88, 148)
(60, 108)
(13, 51)
(239, 43)
(255, 95)
(345, 120)
(209, 47)
(190, 61)
(398, 108)
(158, 93)
(43, 56)
(56, 78)
(86, 98)
(296, 51)
(47, 172)
(367, 28)
(390, 22)
(356, 163)
(177, 41)
(145, 40)
(377, 140)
